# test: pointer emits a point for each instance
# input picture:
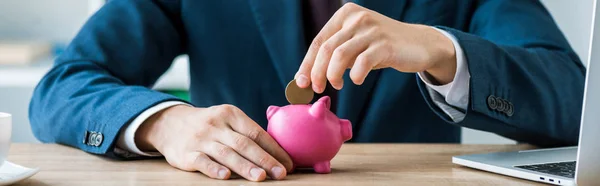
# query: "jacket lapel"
(281, 26)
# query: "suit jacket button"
(98, 140)
(511, 110)
(92, 139)
(491, 101)
(502, 105)
(85, 137)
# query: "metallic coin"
(297, 95)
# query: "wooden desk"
(364, 164)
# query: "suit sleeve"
(526, 82)
(102, 81)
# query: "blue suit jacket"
(243, 52)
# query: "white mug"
(5, 131)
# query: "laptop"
(560, 166)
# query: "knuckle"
(207, 126)
(353, 23)
(363, 17)
(241, 142)
(358, 19)
(350, 6)
(327, 48)
(183, 162)
(339, 52)
(362, 60)
(226, 110)
(264, 160)
(254, 134)
(211, 122)
(211, 167)
(374, 30)
(201, 161)
(316, 43)
(198, 159)
(224, 151)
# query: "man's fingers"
(247, 127)
(253, 152)
(209, 167)
(329, 29)
(343, 58)
(318, 58)
(303, 73)
(229, 157)
(364, 64)
(319, 70)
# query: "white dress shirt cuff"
(456, 93)
(126, 139)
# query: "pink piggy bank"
(311, 134)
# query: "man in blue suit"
(495, 65)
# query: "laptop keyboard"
(564, 169)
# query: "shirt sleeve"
(452, 98)
(126, 141)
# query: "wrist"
(150, 134)
(443, 57)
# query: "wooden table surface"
(356, 164)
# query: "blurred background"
(33, 32)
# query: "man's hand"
(214, 141)
(363, 40)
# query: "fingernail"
(302, 81)
(337, 87)
(256, 173)
(316, 89)
(222, 173)
(277, 172)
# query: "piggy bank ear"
(320, 107)
(271, 111)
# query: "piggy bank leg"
(323, 167)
